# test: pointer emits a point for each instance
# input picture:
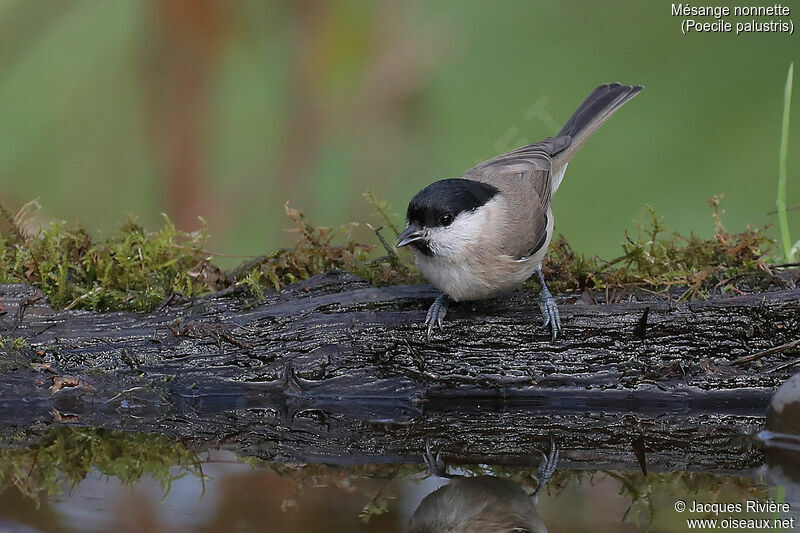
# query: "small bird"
(482, 504)
(484, 233)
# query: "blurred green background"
(227, 109)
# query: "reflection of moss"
(136, 269)
(67, 455)
(652, 498)
(308, 476)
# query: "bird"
(484, 233)
(481, 504)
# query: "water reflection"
(85, 480)
(483, 503)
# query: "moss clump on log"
(657, 260)
(133, 270)
(11, 354)
(137, 270)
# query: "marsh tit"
(481, 503)
(484, 233)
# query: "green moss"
(12, 354)
(132, 270)
(65, 455)
(656, 260)
(12, 343)
(315, 251)
(136, 269)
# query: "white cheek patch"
(458, 238)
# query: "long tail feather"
(591, 114)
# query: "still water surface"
(738, 471)
(224, 493)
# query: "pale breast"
(483, 277)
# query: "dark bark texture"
(338, 371)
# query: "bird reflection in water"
(481, 504)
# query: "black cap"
(440, 203)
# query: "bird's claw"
(436, 314)
(547, 466)
(549, 308)
(435, 463)
(550, 314)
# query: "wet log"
(336, 370)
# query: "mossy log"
(335, 370)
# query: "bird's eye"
(446, 219)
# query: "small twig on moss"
(303, 226)
(82, 297)
(716, 214)
(727, 281)
(393, 257)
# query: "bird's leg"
(435, 463)
(547, 466)
(548, 306)
(436, 314)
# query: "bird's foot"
(436, 314)
(549, 308)
(550, 314)
(547, 466)
(435, 463)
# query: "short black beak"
(409, 235)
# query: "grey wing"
(524, 160)
(523, 176)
